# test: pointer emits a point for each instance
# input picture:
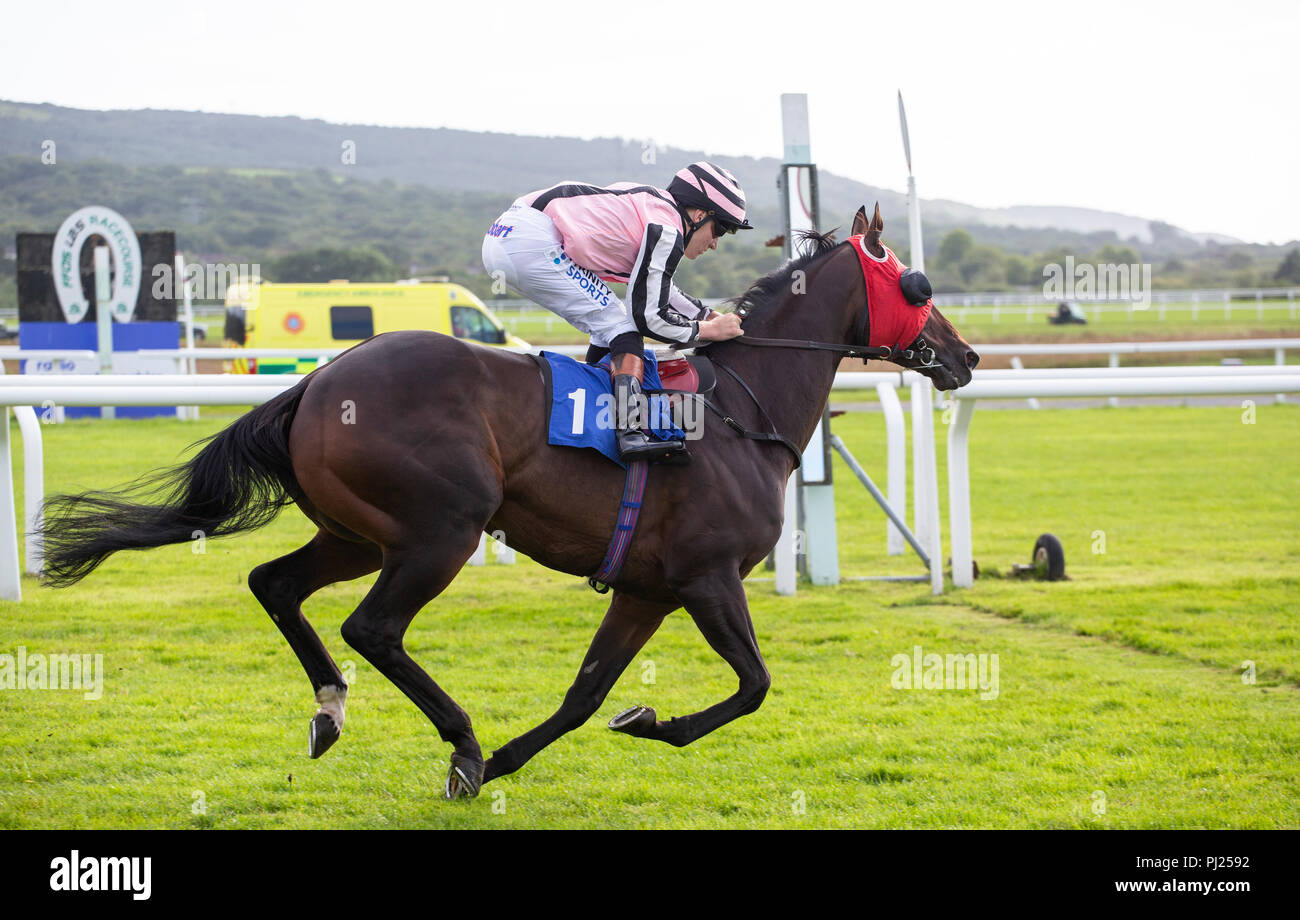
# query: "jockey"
(558, 246)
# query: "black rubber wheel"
(1049, 558)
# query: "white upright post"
(190, 413)
(820, 546)
(33, 486)
(963, 571)
(104, 318)
(913, 203)
(784, 553)
(920, 497)
(926, 473)
(896, 443)
(11, 588)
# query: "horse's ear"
(871, 239)
(860, 222)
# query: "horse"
(407, 485)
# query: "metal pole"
(189, 365)
(963, 570)
(815, 507)
(858, 471)
(104, 318)
(913, 202)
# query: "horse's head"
(938, 351)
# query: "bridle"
(919, 351)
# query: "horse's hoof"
(464, 779)
(637, 721)
(322, 733)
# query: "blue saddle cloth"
(580, 405)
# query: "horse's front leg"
(717, 605)
(627, 626)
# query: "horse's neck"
(791, 384)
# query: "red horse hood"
(894, 323)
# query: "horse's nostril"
(972, 359)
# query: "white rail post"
(963, 570)
(480, 554)
(33, 486)
(1279, 357)
(896, 441)
(187, 365)
(104, 318)
(786, 571)
(920, 520)
(11, 587)
(925, 475)
(1113, 402)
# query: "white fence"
(26, 391)
(1103, 382)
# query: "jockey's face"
(704, 238)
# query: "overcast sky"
(1184, 112)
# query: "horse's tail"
(239, 481)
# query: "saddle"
(688, 374)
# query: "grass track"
(1121, 686)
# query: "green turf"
(1121, 700)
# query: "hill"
(463, 161)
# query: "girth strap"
(628, 512)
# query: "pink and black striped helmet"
(715, 190)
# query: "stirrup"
(636, 445)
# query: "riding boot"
(634, 444)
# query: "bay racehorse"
(409, 446)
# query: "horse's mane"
(773, 285)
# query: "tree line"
(313, 225)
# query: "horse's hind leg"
(281, 586)
(408, 581)
(627, 627)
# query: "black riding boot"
(633, 443)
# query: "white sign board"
(125, 248)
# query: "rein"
(741, 429)
(919, 350)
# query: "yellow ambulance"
(319, 317)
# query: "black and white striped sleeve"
(686, 305)
(650, 285)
